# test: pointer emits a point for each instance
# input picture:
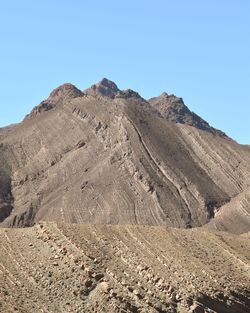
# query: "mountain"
(109, 183)
(114, 157)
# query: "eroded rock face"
(89, 268)
(115, 160)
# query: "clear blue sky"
(199, 50)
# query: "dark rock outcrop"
(104, 88)
(173, 109)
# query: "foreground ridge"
(97, 268)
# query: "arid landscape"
(110, 202)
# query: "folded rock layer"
(110, 156)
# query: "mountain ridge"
(167, 105)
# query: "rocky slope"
(113, 157)
(90, 268)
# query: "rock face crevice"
(234, 215)
(6, 196)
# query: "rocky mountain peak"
(62, 93)
(109, 89)
(108, 83)
(174, 109)
(164, 95)
(169, 99)
(105, 87)
(129, 93)
(65, 91)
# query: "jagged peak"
(105, 88)
(164, 94)
(108, 83)
(109, 89)
(174, 109)
(168, 97)
(129, 93)
(65, 91)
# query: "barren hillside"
(110, 156)
(93, 268)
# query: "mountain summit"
(59, 95)
(109, 89)
(64, 92)
(104, 88)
